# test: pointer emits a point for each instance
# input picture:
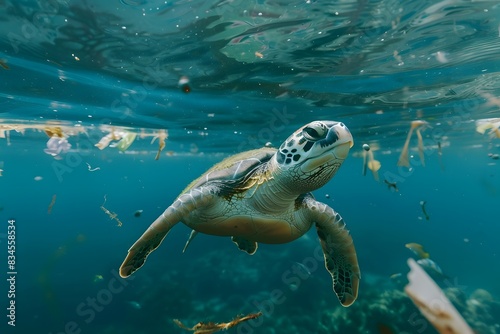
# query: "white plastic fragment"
(433, 303)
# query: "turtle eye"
(314, 131)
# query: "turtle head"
(312, 155)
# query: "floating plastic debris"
(492, 100)
(57, 146)
(210, 327)
(59, 135)
(52, 202)
(415, 126)
(162, 135)
(38, 178)
(92, 169)
(107, 139)
(54, 131)
(492, 124)
(127, 140)
(370, 162)
(432, 302)
(111, 215)
(440, 154)
(422, 205)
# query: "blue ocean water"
(214, 78)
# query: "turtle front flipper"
(158, 230)
(147, 243)
(338, 248)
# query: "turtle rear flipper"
(191, 237)
(338, 248)
(248, 246)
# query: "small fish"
(392, 185)
(303, 269)
(98, 278)
(138, 213)
(134, 305)
(494, 156)
(431, 267)
(396, 276)
(418, 250)
(422, 204)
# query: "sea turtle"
(263, 195)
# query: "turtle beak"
(341, 151)
(344, 141)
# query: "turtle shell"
(233, 170)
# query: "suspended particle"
(441, 57)
(186, 88)
(184, 84)
(494, 156)
(4, 65)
